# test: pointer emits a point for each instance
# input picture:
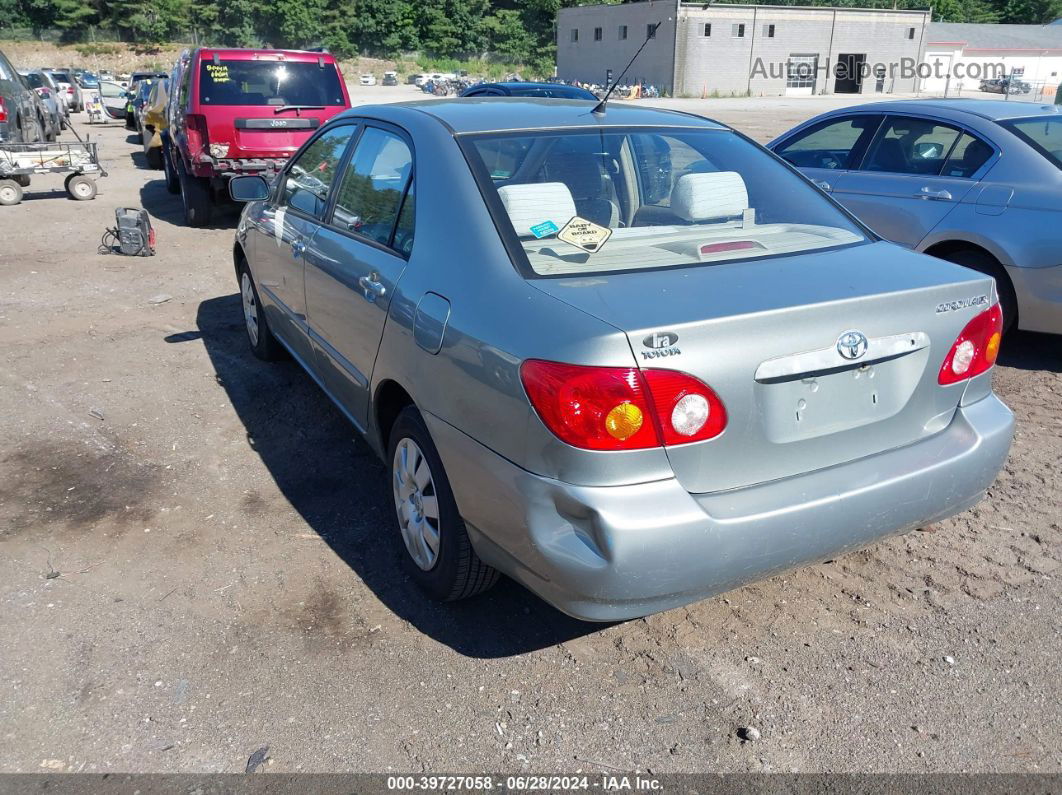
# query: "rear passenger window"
(310, 177)
(911, 146)
(967, 157)
(829, 144)
(370, 195)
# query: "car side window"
(309, 179)
(906, 145)
(376, 179)
(969, 154)
(833, 143)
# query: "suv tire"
(195, 196)
(173, 185)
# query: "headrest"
(715, 194)
(531, 204)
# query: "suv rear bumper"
(233, 167)
(613, 553)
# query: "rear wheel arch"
(388, 402)
(979, 258)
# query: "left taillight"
(976, 348)
(3, 110)
(621, 408)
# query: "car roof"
(249, 54)
(991, 109)
(497, 114)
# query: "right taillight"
(3, 110)
(621, 408)
(976, 348)
(196, 131)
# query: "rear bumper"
(613, 553)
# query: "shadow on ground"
(166, 206)
(340, 489)
(1027, 350)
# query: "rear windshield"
(35, 80)
(592, 201)
(62, 77)
(1042, 133)
(269, 83)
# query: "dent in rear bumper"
(618, 552)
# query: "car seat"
(531, 204)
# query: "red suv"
(242, 112)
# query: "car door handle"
(938, 195)
(371, 287)
(298, 248)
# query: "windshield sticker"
(584, 234)
(544, 229)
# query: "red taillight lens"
(196, 130)
(621, 408)
(976, 348)
(70, 90)
(687, 410)
(596, 408)
(3, 110)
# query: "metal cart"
(78, 159)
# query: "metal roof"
(976, 36)
(992, 109)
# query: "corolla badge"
(660, 343)
(852, 344)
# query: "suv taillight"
(3, 110)
(976, 348)
(621, 408)
(196, 130)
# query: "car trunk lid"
(768, 335)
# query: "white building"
(961, 55)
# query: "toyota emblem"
(852, 344)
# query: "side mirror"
(250, 188)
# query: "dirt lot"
(197, 561)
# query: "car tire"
(81, 188)
(173, 185)
(985, 263)
(195, 196)
(153, 157)
(259, 336)
(10, 192)
(420, 488)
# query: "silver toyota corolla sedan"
(629, 359)
(975, 182)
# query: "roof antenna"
(650, 34)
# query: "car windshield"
(35, 80)
(269, 83)
(88, 80)
(1042, 133)
(608, 199)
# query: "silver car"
(629, 359)
(978, 182)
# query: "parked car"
(1006, 85)
(88, 80)
(367, 80)
(137, 95)
(152, 122)
(977, 182)
(390, 78)
(110, 99)
(1058, 94)
(238, 111)
(524, 89)
(69, 87)
(21, 114)
(652, 364)
(414, 79)
(54, 120)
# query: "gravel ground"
(196, 562)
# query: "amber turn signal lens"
(992, 348)
(623, 421)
